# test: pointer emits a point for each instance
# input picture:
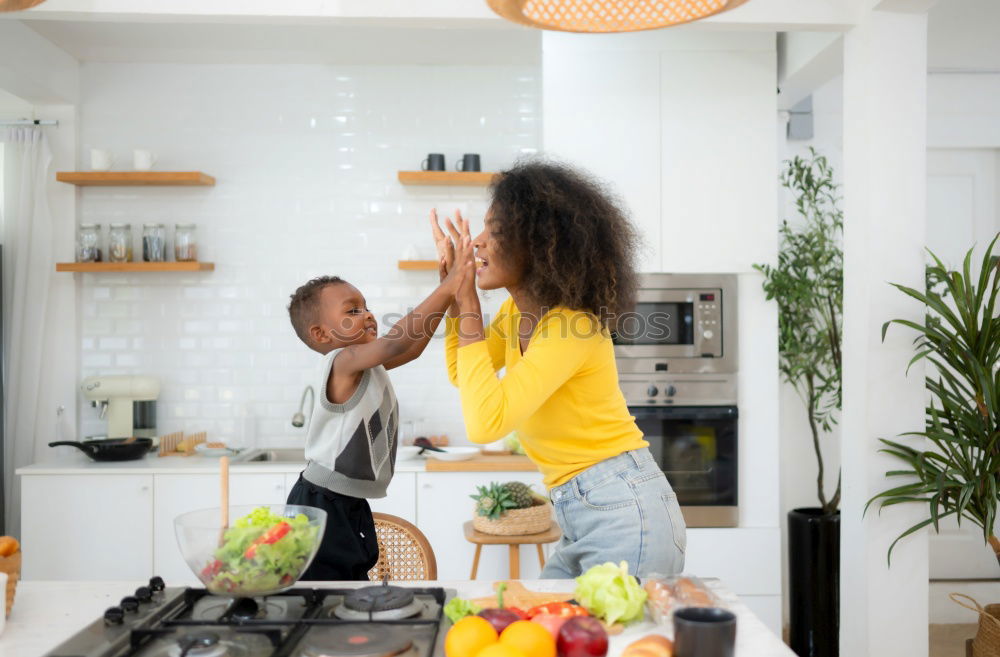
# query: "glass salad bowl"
(264, 551)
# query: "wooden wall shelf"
(136, 178)
(460, 178)
(419, 265)
(93, 267)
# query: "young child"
(351, 439)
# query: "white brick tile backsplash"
(305, 158)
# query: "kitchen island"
(64, 499)
(47, 613)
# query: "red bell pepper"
(212, 569)
(561, 609)
(272, 535)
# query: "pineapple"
(522, 496)
(493, 500)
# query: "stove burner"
(355, 641)
(243, 609)
(378, 598)
(200, 644)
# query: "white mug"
(143, 160)
(100, 159)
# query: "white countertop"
(47, 613)
(153, 464)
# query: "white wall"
(305, 159)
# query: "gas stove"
(371, 621)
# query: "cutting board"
(484, 463)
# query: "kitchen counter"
(153, 464)
(47, 613)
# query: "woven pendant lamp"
(18, 5)
(603, 16)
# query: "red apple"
(499, 618)
(582, 636)
(551, 622)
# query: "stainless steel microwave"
(682, 323)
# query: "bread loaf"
(652, 645)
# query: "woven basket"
(516, 522)
(12, 566)
(987, 641)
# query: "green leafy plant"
(960, 338)
(807, 283)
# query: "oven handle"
(684, 412)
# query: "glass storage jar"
(185, 243)
(154, 243)
(88, 243)
(120, 243)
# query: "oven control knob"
(129, 604)
(114, 616)
(156, 583)
(652, 391)
(707, 334)
(144, 594)
(670, 391)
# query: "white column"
(883, 609)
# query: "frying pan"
(111, 449)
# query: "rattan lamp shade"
(18, 5)
(602, 16)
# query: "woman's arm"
(492, 407)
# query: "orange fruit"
(530, 638)
(8, 546)
(502, 650)
(468, 636)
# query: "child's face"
(344, 318)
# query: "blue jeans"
(621, 509)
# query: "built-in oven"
(697, 448)
(677, 367)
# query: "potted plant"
(807, 283)
(956, 471)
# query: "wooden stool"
(513, 543)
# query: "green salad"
(262, 551)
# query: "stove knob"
(114, 616)
(156, 583)
(670, 391)
(652, 391)
(144, 594)
(129, 604)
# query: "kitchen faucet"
(299, 419)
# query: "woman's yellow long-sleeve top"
(561, 395)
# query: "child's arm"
(410, 333)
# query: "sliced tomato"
(561, 609)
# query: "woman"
(563, 250)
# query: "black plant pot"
(814, 582)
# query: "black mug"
(434, 162)
(469, 162)
(704, 632)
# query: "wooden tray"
(484, 463)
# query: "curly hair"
(569, 236)
(304, 303)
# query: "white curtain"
(27, 267)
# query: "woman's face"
(495, 270)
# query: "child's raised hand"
(444, 244)
(463, 274)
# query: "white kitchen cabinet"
(443, 505)
(83, 527)
(602, 113)
(180, 493)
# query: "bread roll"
(652, 645)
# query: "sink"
(279, 455)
